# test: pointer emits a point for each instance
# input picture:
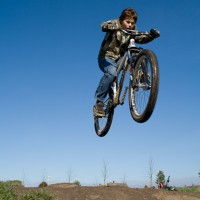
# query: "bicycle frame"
(123, 64)
(118, 88)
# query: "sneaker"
(98, 109)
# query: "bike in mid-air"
(143, 85)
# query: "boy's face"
(128, 23)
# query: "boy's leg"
(109, 67)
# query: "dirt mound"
(113, 193)
(63, 185)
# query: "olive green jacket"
(115, 41)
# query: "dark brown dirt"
(112, 193)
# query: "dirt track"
(113, 193)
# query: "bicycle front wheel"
(103, 124)
(143, 89)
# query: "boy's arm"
(147, 38)
(110, 25)
(143, 39)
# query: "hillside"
(72, 192)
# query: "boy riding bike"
(112, 49)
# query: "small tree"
(160, 177)
(124, 179)
(151, 171)
(69, 175)
(77, 183)
(105, 171)
(44, 176)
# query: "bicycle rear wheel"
(143, 89)
(103, 124)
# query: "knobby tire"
(103, 124)
(145, 114)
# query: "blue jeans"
(109, 67)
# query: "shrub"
(188, 189)
(37, 195)
(6, 192)
(15, 183)
(43, 184)
(77, 183)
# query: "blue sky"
(48, 76)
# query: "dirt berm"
(66, 192)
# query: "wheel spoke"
(102, 124)
(143, 88)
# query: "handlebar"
(134, 33)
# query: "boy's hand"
(155, 33)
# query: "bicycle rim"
(143, 92)
(103, 124)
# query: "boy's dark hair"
(128, 13)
